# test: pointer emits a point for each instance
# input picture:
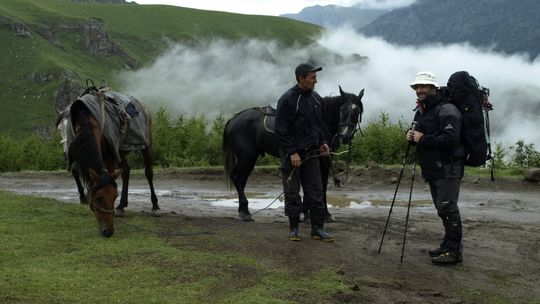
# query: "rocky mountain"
(509, 26)
(49, 48)
(103, 1)
(335, 16)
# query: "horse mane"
(332, 103)
(84, 148)
(330, 112)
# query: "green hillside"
(46, 42)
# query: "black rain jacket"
(439, 151)
(298, 121)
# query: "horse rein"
(356, 126)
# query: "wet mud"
(501, 223)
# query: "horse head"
(102, 193)
(350, 115)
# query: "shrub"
(382, 142)
(525, 155)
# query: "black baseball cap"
(303, 68)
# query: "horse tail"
(149, 122)
(229, 157)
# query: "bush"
(187, 142)
(30, 153)
(195, 141)
(382, 142)
(525, 155)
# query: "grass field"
(51, 253)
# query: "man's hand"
(417, 136)
(296, 161)
(409, 135)
(325, 150)
(414, 136)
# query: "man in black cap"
(299, 130)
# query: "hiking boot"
(329, 218)
(294, 235)
(447, 258)
(320, 234)
(437, 252)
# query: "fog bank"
(224, 77)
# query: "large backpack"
(466, 94)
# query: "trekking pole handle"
(413, 125)
(412, 129)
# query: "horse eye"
(99, 200)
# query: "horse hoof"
(246, 217)
(119, 212)
(305, 218)
(156, 212)
(330, 219)
(83, 201)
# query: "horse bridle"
(356, 127)
(103, 182)
(94, 206)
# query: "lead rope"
(195, 233)
(217, 229)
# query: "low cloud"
(384, 4)
(225, 77)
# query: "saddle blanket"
(122, 118)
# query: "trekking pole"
(408, 210)
(488, 107)
(397, 187)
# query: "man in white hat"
(436, 135)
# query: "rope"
(195, 233)
(220, 228)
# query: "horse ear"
(361, 94)
(116, 173)
(93, 175)
(341, 91)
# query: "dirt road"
(501, 231)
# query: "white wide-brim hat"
(424, 77)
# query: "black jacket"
(439, 151)
(298, 121)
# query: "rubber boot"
(294, 233)
(317, 229)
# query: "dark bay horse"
(115, 136)
(97, 166)
(247, 136)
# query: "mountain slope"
(49, 46)
(509, 26)
(336, 16)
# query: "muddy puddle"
(199, 196)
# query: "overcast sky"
(270, 7)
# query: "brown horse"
(97, 166)
(97, 138)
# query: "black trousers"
(445, 194)
(308, 176)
